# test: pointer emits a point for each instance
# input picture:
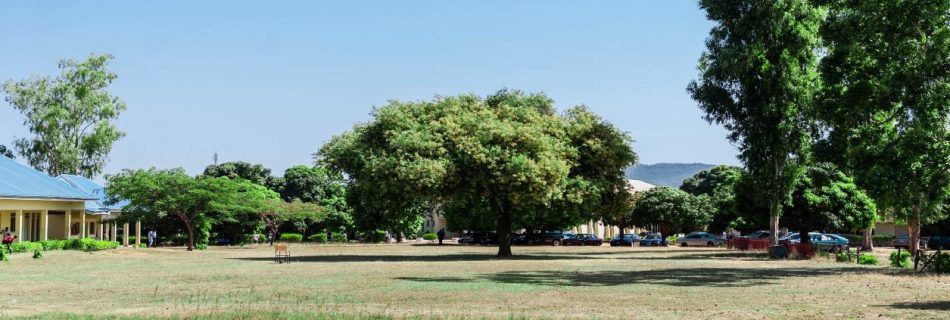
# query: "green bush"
(842, 257)
(868, 259)
(291, 237)
(37, 254)
(941, 261)
(338, 237)
(26, 246)
(671, 239)
(318, 238)
(53, 244)
(4, 256)
(375, 236)
(900, 261)
(430, 236)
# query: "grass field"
(452, 282)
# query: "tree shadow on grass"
(686, 277)
(926, 305)
(420, 258)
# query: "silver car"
(699, 239)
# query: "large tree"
(255, 173)
(717, 187)
(196, 202)
(319, 185)
(671, 210)
(70, 116)
(509, 152)
(758, 78)
(886, 107)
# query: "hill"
(666, 174)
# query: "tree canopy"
(758, 78)
(717, 187)
(6, 152)
(826, 199)
(670, 209)
(255, 173)
(70, 116)
(509, 152)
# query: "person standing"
(441, 235)
(8, 239)
(256, 238)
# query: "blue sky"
(270, 82)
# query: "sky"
(270, 82)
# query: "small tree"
(827, 199)
(670, 209)
(717, 187)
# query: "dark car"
(627, 240)
(584, 239)
(653, 239)
(527, 238)
(557, 238)
(490, 238)
(761, 234)
(939, 242)
(904, 242)
(472, 238)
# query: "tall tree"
(70, 116)
(6, 152)
(758, 78)
(510, 152)
(196, 202)
(320, 186)
(717, 187)
(886, 108)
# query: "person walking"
(8, 239)
(151, 238)
(441, 235)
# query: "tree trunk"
(399, 237)
(504, 232)
(868, 242)
(774, 212)
(913, 226)
(803, 236)
(191, 236)
(620, 226)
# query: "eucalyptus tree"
(758, 78)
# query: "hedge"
(73, 244)
(430, 236)
(338, 237)
(318, 238)
(291, 237)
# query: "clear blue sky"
(269, 83)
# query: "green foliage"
(827, 199)
(49, 245)
(867, 259)
(941, 262)
(291, 237)
(71, 117)
(509, 153)
(670, 209)
(843, 257)
(338, 237)
(254, 173)
(25, 246)
(718, 186)
(901, 260)
(759, 78)
(885, 104)
(37, 254)
(318, 238)
(429, 236)
(375, 236)
(672, 239)
(6, 152)
(4, 255)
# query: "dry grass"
(459, 282)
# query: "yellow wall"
(54, 228)
(36, 205)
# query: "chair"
(281, 253)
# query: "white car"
(699, 239)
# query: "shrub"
(671, 239)
(900, 261)
(318, 238)
(941, 262)
(4, 256)
(53, 244)
(608, 238)
(430, 236)
(291, 237)
(868, 259)
(842, 257)
(26, 246)
(338, 237)
(37, 254)
(374, 236)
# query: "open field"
(459, 282)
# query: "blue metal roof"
(91, 187)
(20, 181)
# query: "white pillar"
(115, 231)
(68, 223)
(83, 233)
(125, 234)
(19, 225)
(138, 233)
(44, 225)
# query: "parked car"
(627, 240)
(530, 239)
(490, 238)
(761, 234)
(557, 238)
(652, 239)
(904, 242)
(471, 238)
(584, 239)
(821, 240)
(939, 242)
(699, 239)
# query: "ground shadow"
(420, 258)
(685, 277)
(927, 305)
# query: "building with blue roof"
(36, 207)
